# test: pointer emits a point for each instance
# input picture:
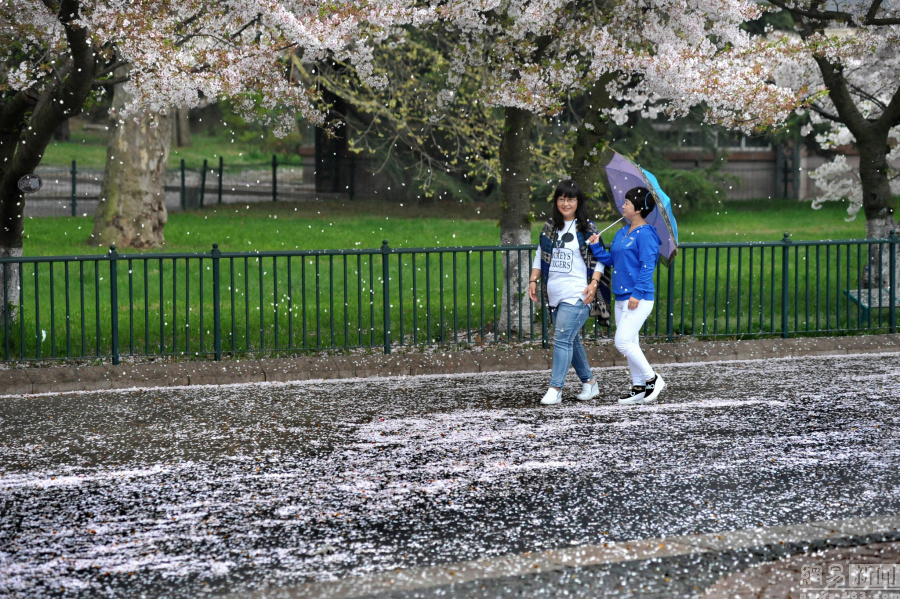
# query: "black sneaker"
(635, 395)
(654, 388)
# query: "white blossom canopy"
(667, 53)
(180, 51)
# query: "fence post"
(217, 307)
(670, 301)
(785, 258)
(114, 301)
(274, 177)
(74, 200)
(183, 198)
(203, 182)
(892, 277)
(221, 173)
(545, 315)
(351, 189)
(386, 290)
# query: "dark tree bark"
(590, 143)
(28, 120)
(515, 215)
(181, 127)
(63, 132)
(132, 207)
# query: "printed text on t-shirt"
(561, 260)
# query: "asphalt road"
(181, 492)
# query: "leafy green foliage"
(690, 189)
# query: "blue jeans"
(567, 349)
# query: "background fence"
(218, 304)
(75, 191)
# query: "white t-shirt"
(568, 274)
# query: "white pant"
(628, 325)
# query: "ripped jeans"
(567, 349)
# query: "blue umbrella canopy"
(620, 175)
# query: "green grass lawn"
(87, 146)
(343, 224)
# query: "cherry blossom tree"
(54, 53)
(846, 59)
(628, 55)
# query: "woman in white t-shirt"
(570, 277)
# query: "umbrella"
(620, 175)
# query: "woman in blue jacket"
(633, 255)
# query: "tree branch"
(864, 94)
(111, 67)
(62, 101)
(890, 118)
(840, 97)
(823, 113)
(191, 19)
(110, 82)
(12, 117)
(894, 21)
(182, 41)
(870, 14)
(242, 29)
(815, 14)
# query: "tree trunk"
(132, 208)
(63, 132)
(589, 144)
(181, 127)
(28, 119)
(515, 218)
(878, 204)
(9, 287)
(11, 215)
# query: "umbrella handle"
(611, 226)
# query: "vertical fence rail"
(274, 177)
(785, 261)
(217, 303)
(892, 292)
(114, 302)
(73, 203)
(386, 292)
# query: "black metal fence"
(75, 191)
(230, 304)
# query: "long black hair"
(570, 189)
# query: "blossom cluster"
(678, 53)
(667, 55)
(870, 66)
(180, 52)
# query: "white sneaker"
(552, 397)
(588, 391)
(654, 388)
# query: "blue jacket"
(633, 259)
